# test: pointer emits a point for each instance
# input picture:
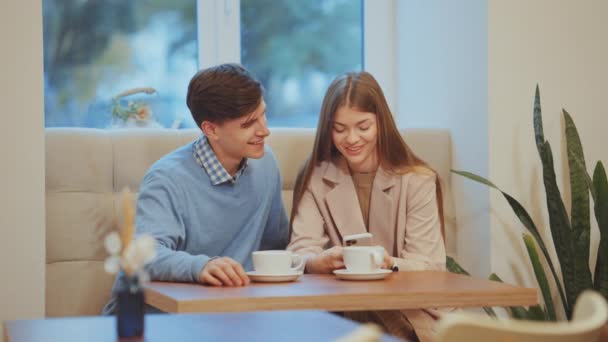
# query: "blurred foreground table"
(251, 326)
(401, 290)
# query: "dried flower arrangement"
(126, 252)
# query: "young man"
(211, 203)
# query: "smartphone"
(363, 239)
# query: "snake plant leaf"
(588, 179)
(478, 179)
(454, 267)
(519, 210)
(527, 221)
(539, 135)
(560, 227)
(558, 217)
(495, 277)
(535, 312)
(579, 219)
(518, 312)
(541, 278)
(601, 213)
(489, 311)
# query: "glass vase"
(130, 308)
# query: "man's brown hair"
(223, 92)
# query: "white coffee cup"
(363, 259)
(276, 262)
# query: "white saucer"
(349, 275)
(273, 278)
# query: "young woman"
(362, 177)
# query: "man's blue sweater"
(194, 220)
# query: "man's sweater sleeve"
(158, 214)
(276, 232)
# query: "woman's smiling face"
(355, 135)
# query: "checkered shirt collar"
(206, 158)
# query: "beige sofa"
(86, 169)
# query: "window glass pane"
(94, 50)
(296, 48)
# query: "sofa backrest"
(86, 170)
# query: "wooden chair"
(590, 315)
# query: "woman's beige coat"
(403, 218)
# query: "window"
(96, 50)
(296, 48)
(100, 57)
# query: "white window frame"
(219, 39)
(219, 32)
(380, 46)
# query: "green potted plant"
(571, 235)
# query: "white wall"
(22, 247)
(562, 46)
(471, 66)
(442, 63)
(380, 41)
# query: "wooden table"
(251, 326)
(401, 290)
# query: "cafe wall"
(472, 67)
(443, 72)
(562, 46)
(22, 235)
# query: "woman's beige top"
(363, 182)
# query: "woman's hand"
(327, 261)
(388, 261)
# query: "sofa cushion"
(86, 170)
(76, 288)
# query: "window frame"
(219, 39)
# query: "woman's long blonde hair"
(360, 91)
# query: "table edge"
(355, 302)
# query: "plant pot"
(130, 308)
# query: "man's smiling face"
(242, 137)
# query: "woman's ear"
(209, 129)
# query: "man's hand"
(327, 261)
(223, 272)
